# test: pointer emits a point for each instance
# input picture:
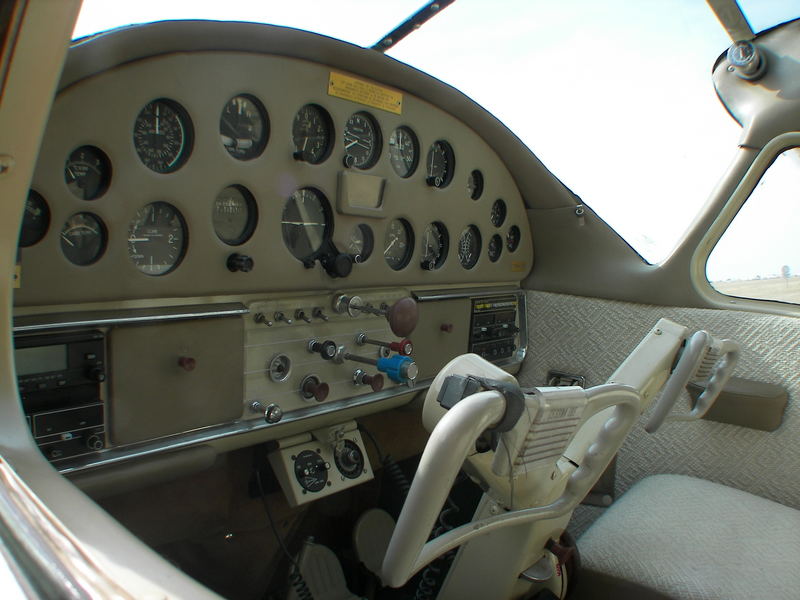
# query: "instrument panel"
(216, 173)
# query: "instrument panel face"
(148, 183)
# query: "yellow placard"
(518, 266)
(364, 92)
(17, 276)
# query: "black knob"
(94, 442)
(326, 349)
(96, 374)
(240, 262)
(337, 265)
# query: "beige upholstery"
(672, 536)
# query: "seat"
(678, 537)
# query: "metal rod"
(411, 24)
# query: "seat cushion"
(672, 536)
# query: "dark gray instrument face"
(362, 141)
(495, 248)
(440, 164)
(398, 244)
(512, 238)
(163, 135)
(87, 172)
(435, 243)
(305, 222)
(244, 127)
(310, 471)
(312, 134)
(35, 220)
(234, 215)
(475, 184)
(499, 211)
(403, 151)
(469, 247)
(83, 239)
(157, 238)
(360, 243)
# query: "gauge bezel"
(445, 236)
(499, 205)
(258, 148)
(477, 233)
(450, 165)
(184, 239)
(103, 233)
(308, 260)
(187, 128)
(513, 238)
(104, 170)
(477, 189)
(369, 244)
(498, 243)
(415, 147)
(37, 236)
(252, 215)
(410, 241)
(329, 128)
(377, 147)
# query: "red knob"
(187, 363)
(446, 327)
(374, 381)
(403, 347)
(318, 390)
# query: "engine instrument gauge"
(512, 238)
(469, 247)
(83, 239)
(35, 220)
(398, 244)
(157, 238)
(234, 215)
(87, 172)
(435, 244)
(305, 222)
(498, 215)
(244, 127)
(495, 248)
(349, 459)
(360, 243)
(440, 164)
(312, 134)
(163, 135)
(311, 471)
(362, 141)
(403, 151)
(475, 184)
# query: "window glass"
(759, 255)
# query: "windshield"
(615, 98)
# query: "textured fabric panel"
(692, 539)
(591, 337)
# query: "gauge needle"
(135, 239)
(71, 173)
(301, 223)
(389, 247)
(158, 117)
(66, 239)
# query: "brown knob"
(374, 381)
(446, 327)
(187, 363)
(316, 389)
(403, 316)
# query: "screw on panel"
(6, 163)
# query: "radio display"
(40, 359)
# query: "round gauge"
(403, 151)
(475, 184)
(244, 127)
(234, 215)
(498, 215)
(305, 222)
(398, 244)
(512, 238)
(362, 141)
(469, 247)
(311, 471)
(163, 135)
(35, 220)
(349, 459)
(157, 238)
(312, 134)
(435, 243)
(87, 172)
(360, 243)
(441, 164)
(495, 248)
(83, 239)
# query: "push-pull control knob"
(272, 412)
(240, 262)
(402, 315)
(404, 346)
(326, 349)
(401, 369)
(312, 388)
(361, 377)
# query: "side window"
(759, 254)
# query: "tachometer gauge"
(305, 222)
(469, 247)
(398, 244)
(163, 135)
(87, 172)
(475, 184)
(83, 239)
(435, 243)
(35, 220)
(498, 215)
(362, 141)
(244, 127)
(403, 151)
(360, 243)
(440, 164)
(512, 238)
(495, 248)
(312, 134)
(234, 215)
(157, 238)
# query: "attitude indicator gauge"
(305, 223)
(244, 127)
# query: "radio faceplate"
(495, 327)
(59, 378)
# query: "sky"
(615, 98)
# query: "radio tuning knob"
(94, 442)
(96, 374)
